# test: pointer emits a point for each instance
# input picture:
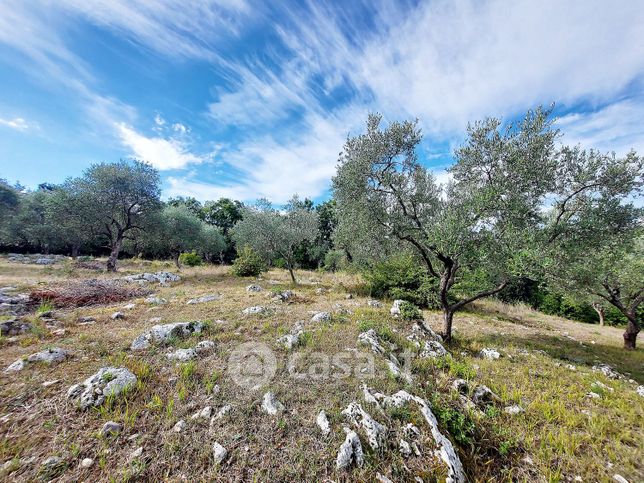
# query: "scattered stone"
(323, 423)
(271, 405)
(360, 418)
(108, 381)
(371, 339)
(348, 296)
(50, 383)
(513, 409)
(292, 340)
(222, 412)
(284, 296)
(607, 371)
(205, 413)
(374, 303)
(45, 261)
(154, 300)
(58, 332)
(461, 386)
(111, 429)
(490, 354)
(382, 478)
(404, 448)
(162, 278)
(411, 431)
(254, 288)
(255, 310)
(395, 308)
(640, 390)
(321, 317)
(483, 396)
(619, 478)
(137, 453)
(86, 320)
(129, 306)
(204, 299)
(320, 291)
(593, 395)
(219, 453)
(350, 451)
(455, 473)
(48, 356)
(87, 463)
(117, 316)
(179, 426)
(161, 334)
(14, 327)
(204, 347)
(182, 355)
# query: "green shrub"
(247, 263)
(401, 276)
(409, 311)
(191, 259)
(335, 260)
(279, 263)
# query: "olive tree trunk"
(114, 254)
(601, 312)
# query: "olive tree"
(117, 197)
(173, 230)
(273, 234)
(488, 224)
(212, 243)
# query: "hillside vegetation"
(552, 417)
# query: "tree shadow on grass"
(628, 363)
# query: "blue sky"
(247, 99)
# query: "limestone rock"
(321, 317)
(162, 278)
(395, 308)
(108, 381)
(10, 328)
(179, 426)
(360, 418)
(323, 423)
(117, 316)
(640, 390)
(219, 453)
(284, 296)
(111, 428)
(404, 448)
(204, 299)
(48, 356)
(204, 347)
(254, 288)
(483, 396)
(271, 405)
(607, 371)
(161, 334)
(87, 463)
(255, 310)
(490, 354)
(461, 386)
(182, 355)
(513, 409)
(350, 451)
(154, 300)
(374, 303)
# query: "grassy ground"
(545, 367)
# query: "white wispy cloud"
(17, 123)
(616, 127)
(161, 152)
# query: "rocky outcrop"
(107, 382)
(350, 452)
(373, 429)
(162, 278)
(161, 334)
(321, 317)
(48, 356)
(271, 405)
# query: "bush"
(402, 277)
(334, 260)
(247, 263)
(191, 259)
(409, 311)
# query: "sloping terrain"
(247, 406)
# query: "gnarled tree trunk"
(630, 335)
(601, 312)
(114, 254)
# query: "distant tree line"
(521, 219)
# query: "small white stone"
(619, 478)
(490, 354)
(117, 315)
(129, 306)
(321, 317)
(514, 409)
(271, 405)
(219, 452)
(137, 453)
(87, 463)
(179, 426)
(205, 413)
(323, 423)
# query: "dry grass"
(86, 292)
(561, 441)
